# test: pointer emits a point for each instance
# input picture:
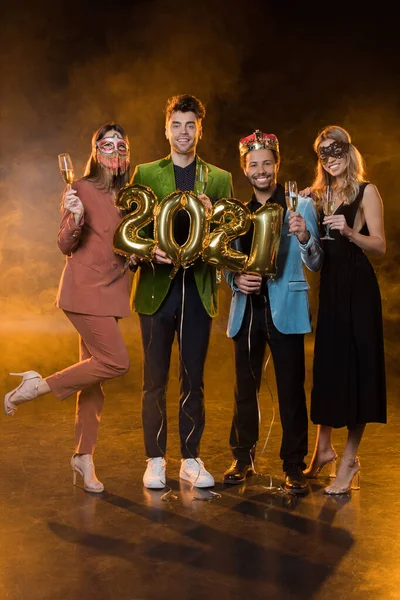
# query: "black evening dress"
(349, 385)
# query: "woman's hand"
(308, 192)
(73, 204)
(134, 261)
(338, 222)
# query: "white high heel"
(80, 465)
(30, 381)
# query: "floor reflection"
(248, 541)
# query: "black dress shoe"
(237, 472)
(295, 480)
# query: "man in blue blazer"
(274, 312)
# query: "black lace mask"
(335, 149)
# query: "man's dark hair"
(184, 103)
(274, 152)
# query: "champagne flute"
(66, 168)
(291, 196)
(201, 180)
(328, 206)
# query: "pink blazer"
(94, 281)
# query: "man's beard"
(265, 187)
(190, 148)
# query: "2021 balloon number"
(232, 217)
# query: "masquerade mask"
(335, 149)
(113, 153)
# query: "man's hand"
(297, 225)
(248, 284)
(161, 258)
(206, 202)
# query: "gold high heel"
(312, 473)
(80, 465)
(31, 380)
(354, 482)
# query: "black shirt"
(185, 177)
(278, 197)
(184, 181)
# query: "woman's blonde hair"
(355, 167)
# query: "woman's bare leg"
(323, 451)
(349, 464)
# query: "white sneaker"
(193, 470)
(154, 476)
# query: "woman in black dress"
(349, 371)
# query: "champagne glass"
(66, 168)
(200, 182)
(291, 196)
(328, 206)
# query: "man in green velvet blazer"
(148, 291)
(184, 305)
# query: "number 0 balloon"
(164, 217)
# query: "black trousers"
(193, 327)
(287, 352)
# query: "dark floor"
(58, 542)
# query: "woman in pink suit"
(93, 293)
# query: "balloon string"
(212, 494)
(147, 352)
(164, 497)
(184, 366)
(279, 487)
(270, 486)
(153, 285)
(148, 348)
(126, 264)
(252, 374)
(251, 453)
(168, 494)
(272, 401)
(164, 395)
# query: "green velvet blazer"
(150, 287)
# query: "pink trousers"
(102, 355)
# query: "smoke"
(62, 84)
(65, 74)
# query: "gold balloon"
(217, 248)
(164, 217)
(127, 238)
(266, 238)
(193, 247)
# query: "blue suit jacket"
(288, 292)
